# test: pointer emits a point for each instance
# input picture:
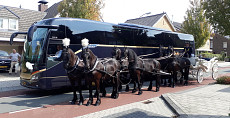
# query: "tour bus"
(40, 70)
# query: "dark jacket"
(187, 52)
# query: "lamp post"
(145, 14)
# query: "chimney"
(42, 6)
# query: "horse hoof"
(80, 103)
(98, 103)
(149, 89)
(72, 102)
(157, 89)
(89, 103)
(140, 92)
(186, 83)
(116, 96)
(134, 90)
(112, 95)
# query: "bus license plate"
(3, 66)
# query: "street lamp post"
(145, 14)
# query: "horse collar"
(75, 66)
(94, 66)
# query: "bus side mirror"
(14, 35)
(12, 38)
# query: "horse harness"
(74, 67)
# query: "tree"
(87, 9)
(196, 24)
(218, 13)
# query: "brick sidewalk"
(154, 107)
(207, 101)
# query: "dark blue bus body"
(103, 37)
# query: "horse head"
(116, 53)
(65, 57)
(85, 55)
(69, 58)
(126, 52)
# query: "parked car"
(4, 60)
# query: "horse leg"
(186, 76)
(102, 87)
(134, 78)
(158, 79)
(115, 93)
(90, 101)
(150, 85)
(134, 86)
(98, 102)
(74, 91)
(127, 86)
(80, 92)
(139, 82)
(174, 79)
(182, 76)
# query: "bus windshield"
(33, 48)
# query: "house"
(12, 20)
(159, 21)
(220, 44)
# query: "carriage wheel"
(215, 71)
(200, 75)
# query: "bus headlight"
(34, 77)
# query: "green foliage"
(87, 9)
(196, 24)
(210, 55)
(223, 80)
(218, 13)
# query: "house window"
(211, 44)
(8, 24)
(13, 24)
(225, 45)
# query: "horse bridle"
(75, 65)
(95, 63)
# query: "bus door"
(56, 74)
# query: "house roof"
(177, 25)
(4, 7)
(52, 11)
(25, 18)
(149, 20)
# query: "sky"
(118, 11)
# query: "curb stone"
(174, 106)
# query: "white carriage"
(199, 67)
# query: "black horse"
(135, 67)
(74, 67)
(150, 68)
(151, 71)
(172, 64)
(97, 72)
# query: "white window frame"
(225, 44)
(1, 25)
(10, 21)
(211, 44)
